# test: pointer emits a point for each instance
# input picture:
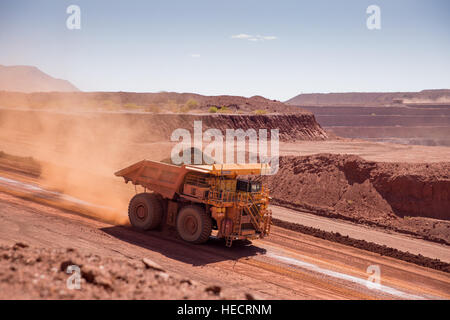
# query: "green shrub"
(212, 109)
(224, 109)
(192, 104)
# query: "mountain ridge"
(28, 79)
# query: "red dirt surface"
(369, 246)
(41, 273)
(395, 195)
(272, 268)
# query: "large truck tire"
(193, 224)
(145, 211)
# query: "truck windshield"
(247, 186)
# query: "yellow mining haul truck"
(200, 199)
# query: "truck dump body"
(238, 209)
(159, 177)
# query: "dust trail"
(19, 186)
(79, 154)
(64, 201)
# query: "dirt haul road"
(286, 265)
(392, 239)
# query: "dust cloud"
(444, 100)
(79, 153)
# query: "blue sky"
(188, 46)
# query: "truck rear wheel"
(145, 211)
(194, 225)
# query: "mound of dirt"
(408, 197)
(41, 273)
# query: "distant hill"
(370, 98)
(135, 101)
(31, 79)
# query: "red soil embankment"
(349, 187)
(350, 183)
(41, 273)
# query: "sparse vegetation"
(260, 111)
(212, 109)
(132, 106)
(224, 109)
(192, 104)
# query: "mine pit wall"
(415, 124)
(357, 188)
(291, 127)
(415, 195)
(159, 127)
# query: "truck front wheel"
(194, 225)
(145, 211)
